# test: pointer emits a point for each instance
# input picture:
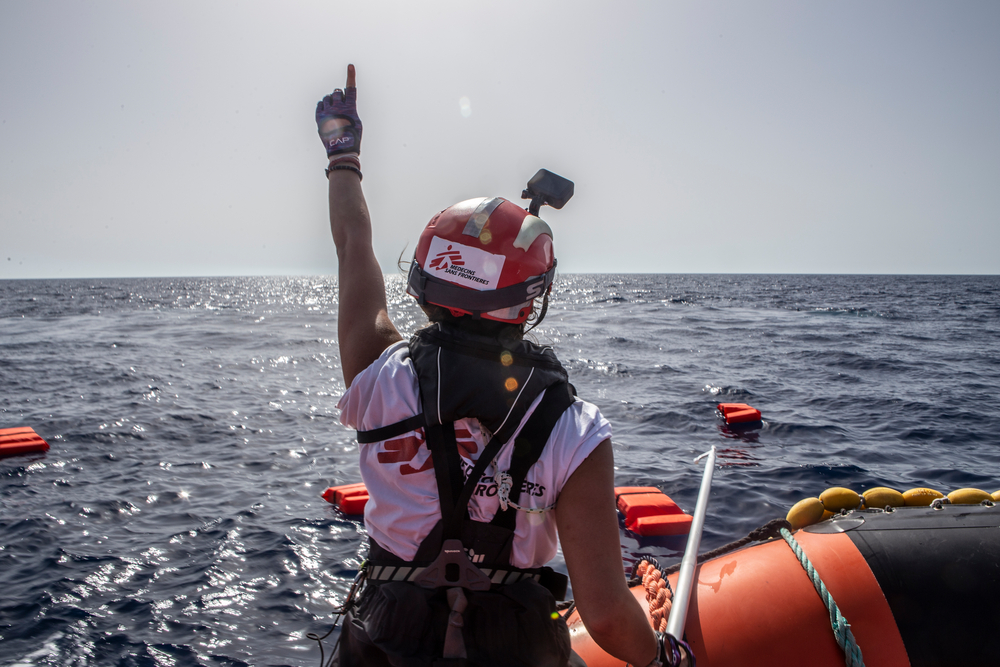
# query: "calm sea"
(177, 518)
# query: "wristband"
(344, 166)
(668, 651)
(345, 159)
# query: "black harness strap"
(392, 430)
(448, 473)
(453, 493)
(452, 567)
(530, 442)
(456, 508)
(557, 398)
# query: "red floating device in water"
(22, 440)
(348, 498)
(739, 413)
(649, 511)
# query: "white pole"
(682, 596)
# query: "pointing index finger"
(351, 83)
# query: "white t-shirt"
(403, 503)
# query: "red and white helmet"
(483, 257)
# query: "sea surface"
(177, 518)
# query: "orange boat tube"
(917, 585)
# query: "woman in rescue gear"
(474, 449)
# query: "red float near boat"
(348, 498)
(647, 511)
(739, 413)
(21, 440)
(650, 512)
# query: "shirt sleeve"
(577, 433)
(371, 397)
(581, 423)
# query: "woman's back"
(399, 472)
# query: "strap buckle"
(453, 568)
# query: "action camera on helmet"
(546, 188)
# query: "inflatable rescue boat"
(919, 586)
(838, 581)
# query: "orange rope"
(657, 594)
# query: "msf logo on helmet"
(463, 265)
(447, 258)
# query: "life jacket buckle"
(452, 568)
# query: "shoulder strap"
(392, 430)
(448, 473)
(530, 442)
(452, 493)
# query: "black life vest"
(509, 618)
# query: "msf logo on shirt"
(447, 258)
(406, 449)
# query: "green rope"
(841, 628)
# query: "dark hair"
(501, 330)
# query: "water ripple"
(176, 519)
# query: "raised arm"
(364, 329)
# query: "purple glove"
(338, 122)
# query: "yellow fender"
(805, 513)
(808, 511)
(838, 498)
(968, 496)
(921, 497)
(881, 497)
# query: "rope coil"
(658, 593)
(359, 579)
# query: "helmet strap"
(428, 289)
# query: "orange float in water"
(348, 498)
(21, 440)
(739, 413)
(648, 511)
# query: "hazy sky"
(177, 138)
